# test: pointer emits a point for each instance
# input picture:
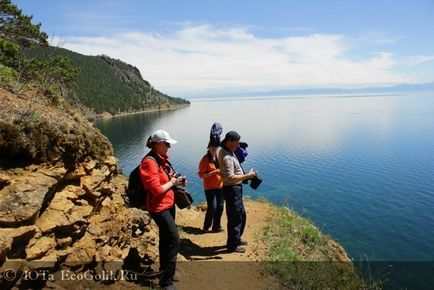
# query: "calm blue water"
(362, 168)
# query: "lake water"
(361, 167)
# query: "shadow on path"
(193, 230)
(192, 251)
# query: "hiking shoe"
(169, 287)
(239, 249)
(176, 276)
(243, 242)
(218, 230)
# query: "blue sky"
(191, 48)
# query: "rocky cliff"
(61, 197)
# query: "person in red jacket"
(158, 178)
(212, 182)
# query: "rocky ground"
(53, 219)
(210, 266)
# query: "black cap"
(231, 136)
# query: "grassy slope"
(301, 257)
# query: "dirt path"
(209, 266)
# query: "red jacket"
(153, 177)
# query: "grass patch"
(262, 199)
(311, 235)
(301, 257)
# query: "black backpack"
(136, 193)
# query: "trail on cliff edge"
(207, 263)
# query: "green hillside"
(110, 85)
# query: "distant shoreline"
(285, 97)
(106, 115)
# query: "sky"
(197, 48)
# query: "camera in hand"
(255, 181)
(180, 177)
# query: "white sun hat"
(162, 136)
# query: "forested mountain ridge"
(110, 85)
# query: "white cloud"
(203, 59)
(418, 59)
(369, 38)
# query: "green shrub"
(7, 75)
(9, 52)
(311, 235)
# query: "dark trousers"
(214, 211)
(235, 213)
(169, 244)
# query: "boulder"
(111, 161)
(39, 247)
(79, 192)
(75, 174)
(63, 201)
(82, 252)
(112, 164)
(118, 199)
(119, 184)
(4, 180)
(89, 166)
(96, 230)
(104, 170)
(65, 210)
(106, 188)
(103, 253)
(116, 253)
(51, 219)
(57, 172)
(93, 195)
(22, 200)
(64, 242)
(81, 202)
(67, 219)
(91, 182)
(49, 260)
(20, 237)
(5, 246)
(79, 213)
